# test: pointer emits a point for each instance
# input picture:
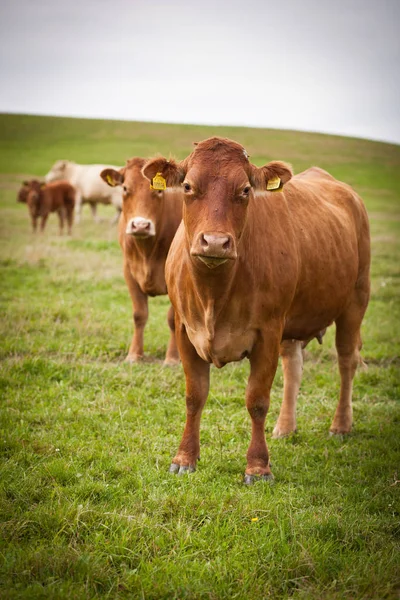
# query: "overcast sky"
(317, 65)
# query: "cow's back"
(87, 179)
(58, 194)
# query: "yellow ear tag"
(110, 180)
(274, 184)
(158, 182)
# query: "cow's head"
(34, 196)
(218, 182)
(23, 192)
(57, 171)
(142, 204)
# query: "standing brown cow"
(42, 199)
(149, 220)
(252, 272)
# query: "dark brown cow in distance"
(42, 199)
(149, 220)
(253, 273)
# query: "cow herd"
(257, 262)
(66, 187)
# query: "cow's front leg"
(263, 363)
(140, 316)
(197, 373)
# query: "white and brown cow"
(255, 273)
(149, 220)
(90, 188)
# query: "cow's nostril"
(226, 244)
(203, 242)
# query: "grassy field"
(87, 507)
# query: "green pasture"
(87, 506)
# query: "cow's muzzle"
(139, 227)
(214, 249)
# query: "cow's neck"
(142, 249)
(213, 288)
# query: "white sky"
(317, 65)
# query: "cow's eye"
(246, 190)
(187, 187)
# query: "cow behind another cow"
(254, 273)
(149, 220)
(90, 189)
(43, 199)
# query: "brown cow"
(149, 220)
(251, 273)
(42, 199)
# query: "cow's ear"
(25, 183)
(271, 177)
(162, 172)
(112, 177)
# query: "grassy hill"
(87, 507)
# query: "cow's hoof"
(282, 433)
(171, 362)
(251, 479)
(333, 432)
(134, 358)
(339, 429)
(181, 469)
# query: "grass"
(88, 509)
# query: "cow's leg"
(140, 316)
(172, 355)
(34, 224)
(43, 223)
(93, 208)
(292, 362)
(197, 373)
(348, 346)
(78, 206)
(263, 362)
(70, 218)
(61, 220)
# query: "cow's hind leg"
(172, 355)
(93, 208)
(70, 218)
(292, 362)
(348, 345)
(61, 215)
(43, 223)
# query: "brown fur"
(144, 259)
(43, 199)
(258, 275)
